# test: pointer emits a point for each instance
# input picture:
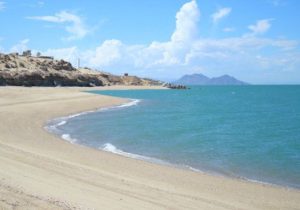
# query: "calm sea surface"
(250, 132)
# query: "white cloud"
(235, 47)
(105, 54)
(73, 24)
(228, 29)
(171, 53)
(220, 14)
(186, 22)
(20, 47)
(156, 54)
(261, 27)
(36, 4)
(2, 5)
(69, 54)
(186, 52)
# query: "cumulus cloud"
(70, 54)
(261, 27)
(105, 54)
(186, 52)
(156, 54)
(74, 24)
(220, 14)
(186, 22)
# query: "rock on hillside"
(27, 70)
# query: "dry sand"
(41, 171)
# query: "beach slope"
(40, 171)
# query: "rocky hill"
(200, 79)
(193, 79)
(27, 70)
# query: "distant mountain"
(226, 80)
(200, 79)
(193, 79)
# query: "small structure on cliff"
(46, 57)
(39, 55)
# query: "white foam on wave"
(69, 138)
(267, 183)
(111, 148)
(133, 102)
(61, 123)
(193, 169)
(76, 115)
(53, 125)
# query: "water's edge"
(52, 126)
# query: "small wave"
(193, 169)
(69, 138)
(53, 125)
(61, 123)
(77, 115)
(111, 148)
(134, 102)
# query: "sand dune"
(41, 171)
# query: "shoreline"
(44, 171)
(141, 157)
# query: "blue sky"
(256, 41)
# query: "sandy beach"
(41, 171)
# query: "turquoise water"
(250, 132)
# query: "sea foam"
(113, 149)
(134, 102)
(53, 125)
(69, 138)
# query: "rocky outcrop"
(26, 70)
(39, 78)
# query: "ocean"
(246, 132)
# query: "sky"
(256, 41)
